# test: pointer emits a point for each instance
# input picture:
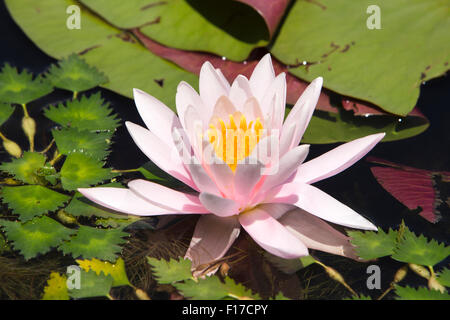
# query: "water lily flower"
(254, 178)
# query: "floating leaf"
(80, 171)
(421, 293)
(226, 28)
(56, 288)
(36, 236)
(352, 58)
(116, 270)
(371, 245)
(211, 288)
(418, 250)
(31, 201)
(75, 74)
(103, 244)
(411, 186)
(26, 168)
(125, 62)
(70, 140)
(171, 271)
(329, 123)
(92, 285)
(20, 88)
(87, 113)
(444, 277)
(6, 111)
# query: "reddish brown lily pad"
(413, 187)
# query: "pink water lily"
(258, 180)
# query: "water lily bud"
(334, 275)
(29, 127)
(420, 270)
(400, 274)
(141, 294)
(12, 148)
(433, 284)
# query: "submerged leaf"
(80, 171)
(87, 113)
(21, 88)
(74, 74)
(88, 243)
(172, 270)
(56, 288)
(372, 245)
(26, 168)
(418, 250)
(31, 201)
(36, 236)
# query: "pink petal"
(220, 172)
(287, 136)
(162, 155)
(201, 179)
(240, 91)
(165, 197)
(212, 238)
(276, 210)
(224, 80)
(187, 96)
(158, 118)
(271, 235)
(247, 175)
(318, 203)
(219, 206)
(317, 234)
(223, 108)
(336, 160)
(251, 110)
(124, 200)
(287, 166)
(277, 88)
(303, 110)
(262, 77)
(211, 86)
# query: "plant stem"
(48, 147)
(75, 95)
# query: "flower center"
(233, 143)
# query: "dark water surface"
(355, 187)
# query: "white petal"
(221, 207)
(211, 87)
(262, 77)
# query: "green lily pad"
(384, 66)
(92, 285)
(171, 271)
(33, 200)
(226, 28)
(21, 88)
(81, 171)
(56, 288)
(75, 74)
(444, 277)
(422, 293)
(418, 250)
(70, 140)
(125, 62)
(87, 113)
(36, 236)
(327, 127)
(115, 270)
(6, 111)
(88, 243)
(27, 168)
(372, 245)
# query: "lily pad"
(171, 271)
(92, 285)
(125, 62)
(115, 270)
(33, 200)
(26, 168)
(331, 38)
(6, 111)
(80, 171)
(36, 236)
(226, 28)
